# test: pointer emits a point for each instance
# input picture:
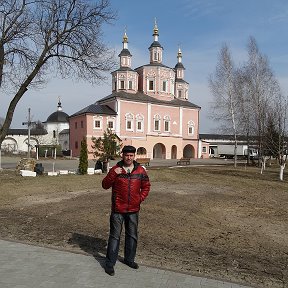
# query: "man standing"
(130, 186)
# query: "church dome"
(58, 116)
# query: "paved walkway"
(27, 266)
(72, 164)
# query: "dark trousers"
(131, 236)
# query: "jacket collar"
(121, 164)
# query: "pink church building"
(148, 108)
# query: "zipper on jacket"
(129, 193)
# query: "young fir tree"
(106, 147)
(83, 160)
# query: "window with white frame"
(97, 122)
(191, 127)
(139, 123)
(130, 84)
(164, 86)
(155, 56)
(122, 84)
(111, 123)
(204, 149)
(157, 119)
(167, 124)
(139, 126)
(129, 117)
(151, 85)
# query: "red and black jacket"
(128, 189)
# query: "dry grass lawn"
(217, 221)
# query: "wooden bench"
(183, 161)
(144, 161)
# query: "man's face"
(128, 158)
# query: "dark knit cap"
(128, 149)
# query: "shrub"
(83, 160)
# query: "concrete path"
(72, 164)
(27, 266)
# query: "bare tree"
(262, 88)
(222, 85)
(279, 145)
(245, 109)
(59, 36)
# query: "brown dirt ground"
(220, 222)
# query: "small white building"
(55, 131)
(16, 140)
(57, 127)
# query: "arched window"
(111, 123)
(139, 123)
(157, 119)
(166, 123)
(129, 121)
(191, 128)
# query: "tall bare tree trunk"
(235, 151)
(282, 167)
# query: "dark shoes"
(109, 270)
(132, 265)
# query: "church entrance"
(174, 152)
(189, 151)
(159, 151)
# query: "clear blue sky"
(200, 27)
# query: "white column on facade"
(149, 118)
(159, 81)
(199, 148)
(181, 121)
(118, 120)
